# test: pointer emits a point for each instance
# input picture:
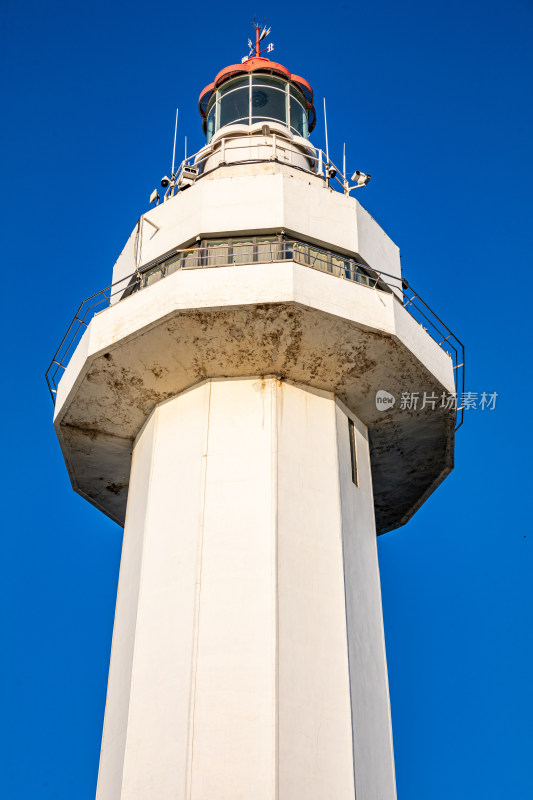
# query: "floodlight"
(361, 178)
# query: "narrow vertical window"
(353, 453)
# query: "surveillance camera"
(331, 172)
(360, 178)
(165, 182)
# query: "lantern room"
(258, 90)
(257, 111)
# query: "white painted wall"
(220, 204)
(247, 142)
(374, 756)
(315, 736)
(232, 663)
(125, 630)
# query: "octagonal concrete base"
(281, 319)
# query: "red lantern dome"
(256, 90)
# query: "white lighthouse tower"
(238, 404)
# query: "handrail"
(320, 163)
(232, 254)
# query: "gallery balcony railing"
(230, 151)
(262, 250)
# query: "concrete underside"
(305, 326)
(248, 658)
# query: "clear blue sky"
(434, 100)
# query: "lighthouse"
(258, 394)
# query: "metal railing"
(266, 250)
(261, 252)
(282, 151)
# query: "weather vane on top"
(261, 32)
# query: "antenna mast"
(174, 148)
(326, 127)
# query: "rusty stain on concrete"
(411, 452)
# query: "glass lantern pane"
(211, 123)
(234, 107)
(268, 103)
(268, 80)
(298, 118)
(234, 83)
